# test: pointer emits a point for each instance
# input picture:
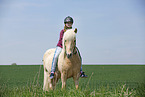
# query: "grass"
(110, 81)
(36, 91)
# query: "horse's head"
(69, 42)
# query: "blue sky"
(109, 31)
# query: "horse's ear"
(75, 30)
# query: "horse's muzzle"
(69, 55)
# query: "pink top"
(60, 38)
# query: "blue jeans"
(55, 58)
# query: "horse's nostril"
(69, 55)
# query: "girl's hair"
(66, 28)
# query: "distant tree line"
(13, 64)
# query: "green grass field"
(103, 80)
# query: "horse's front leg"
(77, 84)
(76, 80)
(63, 79)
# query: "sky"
(109, 31)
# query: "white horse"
(69, 62)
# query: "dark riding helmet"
(68, 19)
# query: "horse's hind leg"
(55, 80)
(50, 84)
(45, 84)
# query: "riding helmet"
(68, 19)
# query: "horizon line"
(83, 64)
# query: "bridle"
(73, 53)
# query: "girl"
(68, 21)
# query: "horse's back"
(47, 59)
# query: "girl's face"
(69, 24)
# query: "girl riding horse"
(68, 21)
